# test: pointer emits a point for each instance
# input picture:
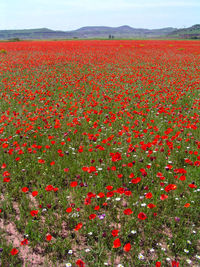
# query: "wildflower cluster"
(99, 153)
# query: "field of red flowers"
(99, 153)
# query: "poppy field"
(99, 153)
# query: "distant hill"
(120, 32)
(101, 32)
(42, 33)
(192, 32)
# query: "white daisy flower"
(133, 232)
(140, 256)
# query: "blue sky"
(73, 14)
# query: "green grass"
(79, 88)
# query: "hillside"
(85, 32)
(192, 32)
(124, 31)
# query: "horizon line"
(97, 26)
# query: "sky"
(72, 14)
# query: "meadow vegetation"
(99, 153)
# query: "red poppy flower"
(80, 263)
(3, 166)
(42, 161)
(151, 206)
(78, 226)
(55, 189)
(73, 184)
(68, 210)
(4, 145)
(170, 187)
(175, 264)
(110, 194)
(14, 251)
(163, 197)
(34, 213)
(91, 169)
(85, 169)
(182, 178)
(128, 193)
(128, 211)
(24, 242)
(192, 186)
(142, 216)
(6, 173)
(87, 201)
(6, 180)
(115, 232)
(158, 264)
(116, 156)
(143, 172)
(92, 216)
(149, 195)
(101, 195)
(127, 247)
(34, 193)
(48, 237)
(109, 187)
(117, 243)
(25, 189)
(136, 180)
(91, 195)
(49, 188)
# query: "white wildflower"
(140, 256)
(133, 232)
